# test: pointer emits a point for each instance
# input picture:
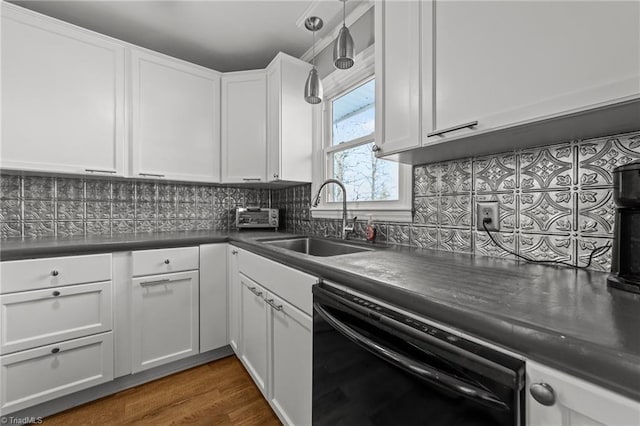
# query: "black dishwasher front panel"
(373, 366)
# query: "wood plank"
(220, 392)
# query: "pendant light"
(313, 86)
(343, 47)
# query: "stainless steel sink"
(316, 246)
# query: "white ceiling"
(224, 35)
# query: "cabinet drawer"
(42, 317)
(162, 261)
(290, 284)
(38, 375)
(31, 274)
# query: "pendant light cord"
(344, 13)
(313, 48)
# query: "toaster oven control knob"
(273, 222)
(543, 393)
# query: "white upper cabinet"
(447, 70)
(175, 119)
(501, 63)
(244, 127)
(289, 121)
(397, 52)
(63, 97)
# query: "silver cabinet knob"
(375, 148)
(54, 273)
(543, 393)
(167, 261)
(275, 176)
(234, 251)
(55, 293)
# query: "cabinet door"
(253, 330)
(397, 50)
(213, 296)
(577, 403)
(164, 318)
(233, 280)
(62, 97)
(291, 362)
(175, 126)
(244, 133)
(289, 124)
(504, 62)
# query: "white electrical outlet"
(488, 210)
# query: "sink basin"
(316, 246)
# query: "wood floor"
(217, 393)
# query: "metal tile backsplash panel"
(556, 202)
(35, 206)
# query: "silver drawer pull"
(55, 350)
(273, 305)
(156, 282)
(99, 171)
(167, 261)
(234, 251)
(152, 175)
(543, 393)
(252, 179)
(55, 293)
(255, 291)
(451, 129)
(55, 273)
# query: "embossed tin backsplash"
(33, 206)
(556, 202)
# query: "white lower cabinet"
(233, 291)
(574, 402)
(254, 330)
(275, 332)
(213, 296)
(165, 319)
(290, 332)
(56, 320)
(41, 374)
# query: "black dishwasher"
(377, 366)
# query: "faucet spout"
(345, 229)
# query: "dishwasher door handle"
(414, 367)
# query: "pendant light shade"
(313, 88)
(313, 85)
(343, 51)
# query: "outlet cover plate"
(490, 209)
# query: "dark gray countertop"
(567, 319)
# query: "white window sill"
(379, 215)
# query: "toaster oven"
(257, 217)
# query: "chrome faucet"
(345, 229)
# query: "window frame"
(336, 84)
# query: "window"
(351, 159)
(343, 150)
